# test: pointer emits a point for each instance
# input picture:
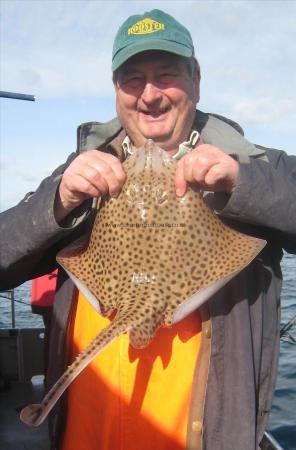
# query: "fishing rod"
(17, 96)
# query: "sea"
(282, 424)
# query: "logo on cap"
(146, 26)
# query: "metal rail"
(288, 326)
(17, 96)
(284, 332)
(9, 295)
(270, 443)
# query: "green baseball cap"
(154, 30)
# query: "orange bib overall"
(129, 399)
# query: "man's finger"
(116, 167)
(97, 166)
(102, 174)
(222, 177)
(180, 183)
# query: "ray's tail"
(35, 414)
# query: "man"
(207, 382)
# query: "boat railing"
(269, 443)
(21, 349)
(9, 295)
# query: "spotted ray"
(152, 257)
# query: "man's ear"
(196, 83)
(115, 80)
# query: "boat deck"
(21, 383)
(14, 435)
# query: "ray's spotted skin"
(153, 257)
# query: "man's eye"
(133, 80)
(168, 76)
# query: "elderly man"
(208, 381)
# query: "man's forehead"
(161, 58)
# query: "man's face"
(156, 98)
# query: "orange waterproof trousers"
(129, 399)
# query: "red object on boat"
(43, 290)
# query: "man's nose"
(151, 93)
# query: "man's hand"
(91, 174)
(209, 167)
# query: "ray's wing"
(91, 267)
(211, 254)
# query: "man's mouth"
(154, 114)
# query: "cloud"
(24, 171)
(264, 110)
(23, 174)
(57, 48)
(54, 80)
(64, 47)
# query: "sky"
(60, 51)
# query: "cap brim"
(167, 46)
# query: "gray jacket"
(237, 364)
